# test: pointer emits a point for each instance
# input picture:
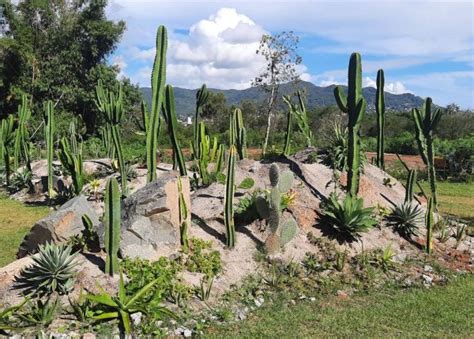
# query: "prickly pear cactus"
(269, 208)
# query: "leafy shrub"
(20, 180)
(405, 219)
(349, 217)
(202, 259)
(53, 270)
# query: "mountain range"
(316, 96)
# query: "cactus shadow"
(206, 228)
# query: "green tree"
(57, 50)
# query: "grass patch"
(16, 220)
(455, 198)
(438, 312)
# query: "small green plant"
(88, 239)
(53, 270)
(7, 316)
(205, 287)
(39, 313)
(459, 233)
(71, 159)
(384, 258)
(202, 259)
(94, 188)
(443, 234)
(20, 179)
(122, 306)
(341, 260)
(81, 308)
(405, 219)
(349, 217)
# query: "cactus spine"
(7, 137)
(229, 198)
(22, 145)
(270, 208)
(152, 120)
(183, 217)
(429, 222)
(171, 120)
(238, 133)
(201, 98)
(410, 186)
(425, 122)
(112, 225)
(71, 159)
(111, 105)
(49, 129)
(380, 109)
(354, 105)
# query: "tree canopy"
(57, 50)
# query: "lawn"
(455, 198)
(441, 312)
(15, 221)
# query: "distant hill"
(316, 97)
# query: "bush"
(349, 217)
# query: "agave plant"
(405, 219)
(123, 306)
(53, 270)
(349, 217)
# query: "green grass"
(437, 312)
(16, 220)
(455, 198)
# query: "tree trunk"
(271, 101)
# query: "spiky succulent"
(348, 217)
(405, 219)
(53, 270)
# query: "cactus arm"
(380, 110)
(410, 186)
(354, 85)
(201, 98)
(112, 226)
(229, 199)
(341, 98)
(172, 126)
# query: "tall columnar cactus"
(270, 208)
(72, 161)
(289, 122)
(206, 152)
(410, 186)
(7, 138)
(354, 105)
(202, 95)
(22, 144)
(183, 217)
(229, 198)
(49, 130)
(172, 121)
(111, 105)
(299, 112)
(380, 109)
(151, 119)
(429, 223)
(112, 218)
(238, 133)
(425, 123)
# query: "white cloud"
(120, 62)
(396, 87)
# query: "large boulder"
(150, 218)
(59, 226)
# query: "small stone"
(292, 302)
(302, 297)
(88, 336)
(427, 280)
(136, 318)
(187, 333)
(428, 268)
(342, 294)
(259, 301)
(312, 299)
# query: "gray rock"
(150, 218)
(59, 226)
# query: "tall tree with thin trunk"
(281, 59)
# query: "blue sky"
(425, 47)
